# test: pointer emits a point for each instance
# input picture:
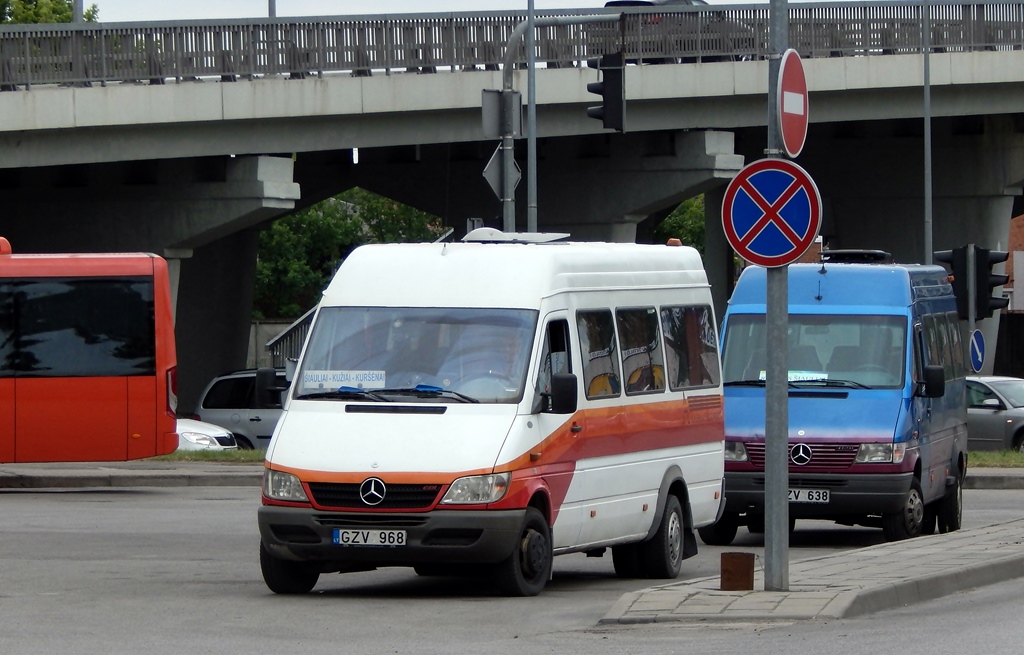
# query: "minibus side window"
(600, 361)
(642, 357)
(555, 356)
(691, 347)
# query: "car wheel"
(243, 443)
(662, 556)
(721, 533)
(908, 521)
(1018, 442)
(285, 576)
(527, 569)
(951, 507)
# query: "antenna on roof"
(855, 256)
(494, 235)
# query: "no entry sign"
(771, 212)
(792, 99)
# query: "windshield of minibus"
(823, 350)
(407, 353)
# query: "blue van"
(877, 397)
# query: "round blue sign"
(977, 350)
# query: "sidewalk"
(844, 585)
(848, 584)
(139, 473)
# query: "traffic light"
(986, 281)
(956, 259)
(612, 111)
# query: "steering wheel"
(871, 367)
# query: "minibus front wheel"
(285, 576)
(528, 568)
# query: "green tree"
(299, 254)
(43, 11)
(686, 223)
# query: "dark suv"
(229, 401)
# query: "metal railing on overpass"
(86, 54)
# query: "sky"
(160, 10)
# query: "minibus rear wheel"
(285, 576)
(528, 568)
(662, 556)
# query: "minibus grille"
(824, 457)
(397, 496)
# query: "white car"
(196, 435)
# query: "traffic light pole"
(508, 197)
(972, 288)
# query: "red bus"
(87, 359)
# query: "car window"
(230, 393)
(978, 393)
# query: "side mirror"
(934, 381)
(991, 403)
(563, 393)
(268, 394)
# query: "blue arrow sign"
(977, 350)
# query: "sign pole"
(776, 394)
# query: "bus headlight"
(283, 486)
(735, 452)
(881, 453)
(477, 489)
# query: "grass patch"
(980, 459)
(227, 456)
(995, 459)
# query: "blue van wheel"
(951, 507)
(908, 521)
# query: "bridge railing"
(84, 54)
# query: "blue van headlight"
(881, 453)
(477, 489)
(735, 451)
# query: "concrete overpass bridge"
(187, 138)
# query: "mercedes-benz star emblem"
(372, 491)
(800, 454)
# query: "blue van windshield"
(853, 350)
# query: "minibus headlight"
(735, 452)
(477, 489)
(881, 453)
(283, 486)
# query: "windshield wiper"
(832, 382)
(430, 391)
(753, 383)
(344, 393)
